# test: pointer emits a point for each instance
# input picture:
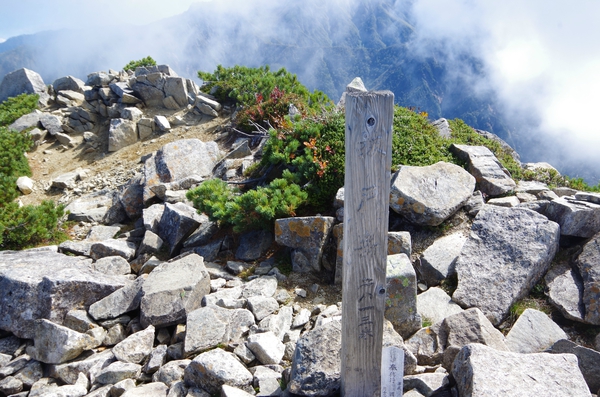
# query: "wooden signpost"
(369, 117)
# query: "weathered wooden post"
(369, 117)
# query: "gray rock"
(399, 243)
(155, 389)
(437, 261)
(21, 81)
(474, 204)
(588, 263)
(114, 335)
(587, 359)
(492, 178)
(136, 348)
(121, 133)
(316, 364)
(262, 286)
(267, 347)
(209, 326)
(443, 127)
(575, 217)
(96, 207)
(65, 181)
(10, 386)
(206, 109)
(401, 295)
(25, 184)
(430, 195)
(482, 371)
(176, 224)
(392, 338)
(253, 245)
(98, 79)
(172, 372)
(118, 371)
(510, 201)
(176, 87)
(78, 320)
(55, 344)
(425, 383)
(151, 244)
(145, 127)
(26, 121)
(213, 104)
(158, 358)
(15, 365)
(112, 247)
(68, 83)
(173, 290)
(589, 197)
(78, 389)
(37, 284)
(278, 323)
(152, 96)
(132, 113)
(121, 387)
(434, 305)
(51, 123)
(307, 237)
(9, 345)
(214, 368)
(69, 372)
(262, 306)
(520, 242)
(119, 302)
(565, 291)
(301, 318)
(30, 374)
(179, 160)
(162, 123)
(533, 332)
(114, 265)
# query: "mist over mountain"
(326, 43)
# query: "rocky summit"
(492, 284)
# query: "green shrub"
(148, 61)
(28, 226)
(15, 107)
(13, 162)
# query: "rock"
(52, 123)
(214, 368)
(279, 323)
(492, 178)
(78, 320)
(262, 286)
(30, 374)
(207, 327)
(121, 387)
(117, 372)
(401, 299)
(10, 386)
(22, 81)
(87, 363)
(121, 133)
(437, 261)
(55, 344)
(162, 123)
(307, 237)
(113, 265)
(172, 372)
(155, 389)
(132, 113)
(68, 83)
(267, 347)
(176, 87)
(145, 128)
(37, 284)
(262, 306)
(9, 345)
(207, 101)
(588, 263)
(158, 358)
(510, 201)
(65, 181)
(112, 247)
(533, 332)
(136, 348)
(151, 244)
(587, 359)
(399, 243)
(443, 127)
(425, 383)
(434, 305)
(206, 109)
(430, 195)
(170, 103)
(173, 290)
(565, 291)
(482, 371)
(253, 245)
(301, 318)
(179, 160)
(575, 217)
(176, 224)
(25, 184)
(99, 206)
(26, 121)
(589, 197)
(316, 364)
(520, 242)
(119, 302)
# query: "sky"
(542, 57)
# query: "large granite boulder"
(172, 290)
(507, 253)
(588, 263)
(39, 284)
(121, 133)
(533, 332)
(178, 160)
(434, 305)
(22, 81)
(55, 344)
(492, 178)
(588, 360)
(564, 288)
(430, 195)
(307, 237)
(177, 223)
(215, 368)
(482, 371)
(437, 261)
(576, 217)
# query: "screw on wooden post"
(369, 117)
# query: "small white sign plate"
(392, 372)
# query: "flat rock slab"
(172, 290)
(577, 218)
(437, 261)
(430, 195)
(36, 284)
(482, 371)
(533, 332)
(492, 178)
(55, 344)
(306, 236)
(401, 295)
(215, 368)
(435, 304)
(588, 359)
(565, 291)
(508, 251)
(588, 263)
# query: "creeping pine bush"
(148, 61)
(21, 227)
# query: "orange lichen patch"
(299, 228)
(340, 252)
(419, 208)
(400, 201)
(278, 230)
(318, 225)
